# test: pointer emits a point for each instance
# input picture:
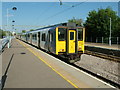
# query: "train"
(64, 40)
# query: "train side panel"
(29, 38)
(44, 39)
(34, 39)
(52, 41)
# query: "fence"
(3, 42)
(114, 40)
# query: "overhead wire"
(36, 19)
(67, 9)
(46, 10)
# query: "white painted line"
(74, 67)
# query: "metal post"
(91, 39)
(96, 40)
(7, 28)
(102, 40)
(117, 40)
(110, 34)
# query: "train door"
(71, 41)
(39, 39)
(49, 41)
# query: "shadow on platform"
(4, 77)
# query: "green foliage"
(116, 32)
(23, 31)
(31, 29)
(2, 33)
(98, 23)
(77, 21)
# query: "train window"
(61, 34)
(51, 37)
(71, 35)
(80, 34)
(28, 35)
(43, 37)
(35, 36)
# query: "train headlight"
(80, 48)
(61, 50)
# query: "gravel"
(105, 68)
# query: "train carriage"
(66, 40)
(23, 37)
(34, 38)
(29, 37)
(70, 42)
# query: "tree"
(79, 22)
(23, 31)
(116, 32)
(98, 23)
(31, 29)
(2, 33)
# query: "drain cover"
(23, 53)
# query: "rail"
(102, 55)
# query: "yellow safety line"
(49, 65)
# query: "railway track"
(92, 73)
(104, 56)
(97, 76)
(89, 72)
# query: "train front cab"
(70, 42)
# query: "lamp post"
(110, 33)
(14, 8)
(110, 20)
(60, 2)
(13, 25)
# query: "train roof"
(56, 25)
(52, 26)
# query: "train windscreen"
(61, 34)
(80, 34)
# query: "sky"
(32, 15)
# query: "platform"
(102, 45)
(27, 71)
(24, 66)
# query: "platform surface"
(27, 71)
(102, 45)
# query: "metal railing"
(3, 43)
